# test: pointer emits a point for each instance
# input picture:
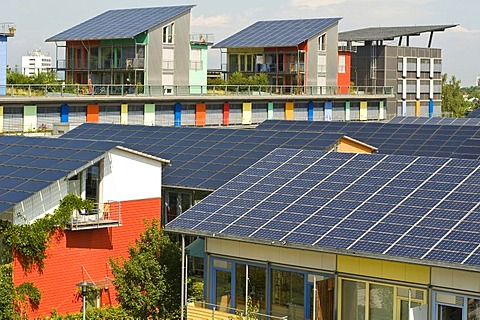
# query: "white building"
(36, 62)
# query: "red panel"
(344, 78)
(92, 112)
(200, 114)
(226, 113)
(90, 249)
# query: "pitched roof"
(419, 209)
(277, 33)
(389, 33)
(120, 24)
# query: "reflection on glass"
(287, 294)
(257, 285)
(404, 311)
(381, 302)
(473, 312)
(449, 312)
(353, 300)
(223, 290)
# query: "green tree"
(7, 292)
(149, 282)
(453, 97)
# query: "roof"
(203, 158)
(28, 164)
(419, 209)
(393, 138)
(437, 120)
(474, 114)
(389, 33)
(120, 24)
(277, 33)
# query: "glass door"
(445, 312)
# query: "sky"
(37, 20)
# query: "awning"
(196, 248)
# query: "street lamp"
(84, 286)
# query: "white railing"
(105, 214)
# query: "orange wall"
(344, 78)
(90, 249)
(92, 113)
(200, 114)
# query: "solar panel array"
(413, 207)
(391, 138)
(277, 33)
(203, 158)
(436, 120)
(27, 165)
(474, 114)
(119, 24)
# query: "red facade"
(84, 255)
(344, 72)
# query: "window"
(341, 64)
(322, 63)
(287, 291)
(196, 59)
(322, 42)
(168, 33)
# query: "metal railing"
(216, 311)
(105, 214)
(7, 29)
(66, 90)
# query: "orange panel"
(92, 112)
(200, 114)
(226, 113)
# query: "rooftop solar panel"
(434, 140)
(474, 114)
(277, 33)
(118, 24)
(203, 158)
(434, 120)
(401, 216)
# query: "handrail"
(215, 307)
(76, 90)
(103, 214)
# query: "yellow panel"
(363, 110)
(351, 146)
(417, 109)
(247, 113)
(1, 119)
(348, 264)
(289, 110)
(417, 274)
(124, 114)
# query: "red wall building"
(344, 72)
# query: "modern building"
(298, 54)
(133, 49)
(415, 73)
(312, 235)
(7, 30)
(36, 62)
(37, 173)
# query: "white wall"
(129, 176)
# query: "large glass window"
(92, 182)
(473, 311)
(223, 290)
(168, 33)
(381, 302)
(353, 300)
(287, 294)
(257, 285)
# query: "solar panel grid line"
(433, 208)
(331, 199)
(273, 193)
(451, 230)
(235, 198)
(471, 254)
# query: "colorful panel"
(124, 114)
(247, 113)
(404, 108)
(310, 110)
(270, 111)
(417, 108)
(347, 111)
(200, 114)
(430, 108)
(289, 110)
(328, 110)
(363, 110)
(64, 112)
(226, 113)
(149, 114)
(29, 118)
(1, 119)
(3, 65)
(93, 112)
(177, 120)
(381, 110)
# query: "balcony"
(7, 29)
(103, 215)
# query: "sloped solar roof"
(393, 138)
(419, 208)
(474, 114)
(277, 33)
(27, 164)
(389, 33)
(437, 120)
(120, 24)
(203, 158)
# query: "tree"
(452, 97)
(149, 282)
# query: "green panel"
(30, 111)
(347, 111)
(270, 111)
(116, 42)
(381, 111)
(149, 108)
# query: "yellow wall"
(247, 113)
(383, 269)
(124, 114)
(417, 109)
(351, 146)
(363, 110)
(289, 110)
(1, 119)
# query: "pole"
(84, 298)
(183, 278)
(314, 316)
(186, 282)
(246, 291)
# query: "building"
(413, 72)
(7, 30)
(296, 54)
(36, 62)
(149, 48)
(312, 235)
(39, 172)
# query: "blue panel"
(328, 110)
(64, 113)
(430, 109)
(178, 115)
(3, 65)
(310, 110)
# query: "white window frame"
(322, 42)
(168, 33)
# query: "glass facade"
(454, 306)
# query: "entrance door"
(445, 312)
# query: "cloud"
(461, 29)
(212, 21)
(312, 4)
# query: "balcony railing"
(55, 90)
(203, 310)
(103, 215)
(7, 29)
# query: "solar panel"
(419, 223)
(203, 158)
(120, 24)
(436, 120)
(474, 114)
(277, 33)
(433, 140)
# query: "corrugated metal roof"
(389, 33)
(277, 33)
(120, 24)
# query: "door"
(445, 312)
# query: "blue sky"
(38, 20)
